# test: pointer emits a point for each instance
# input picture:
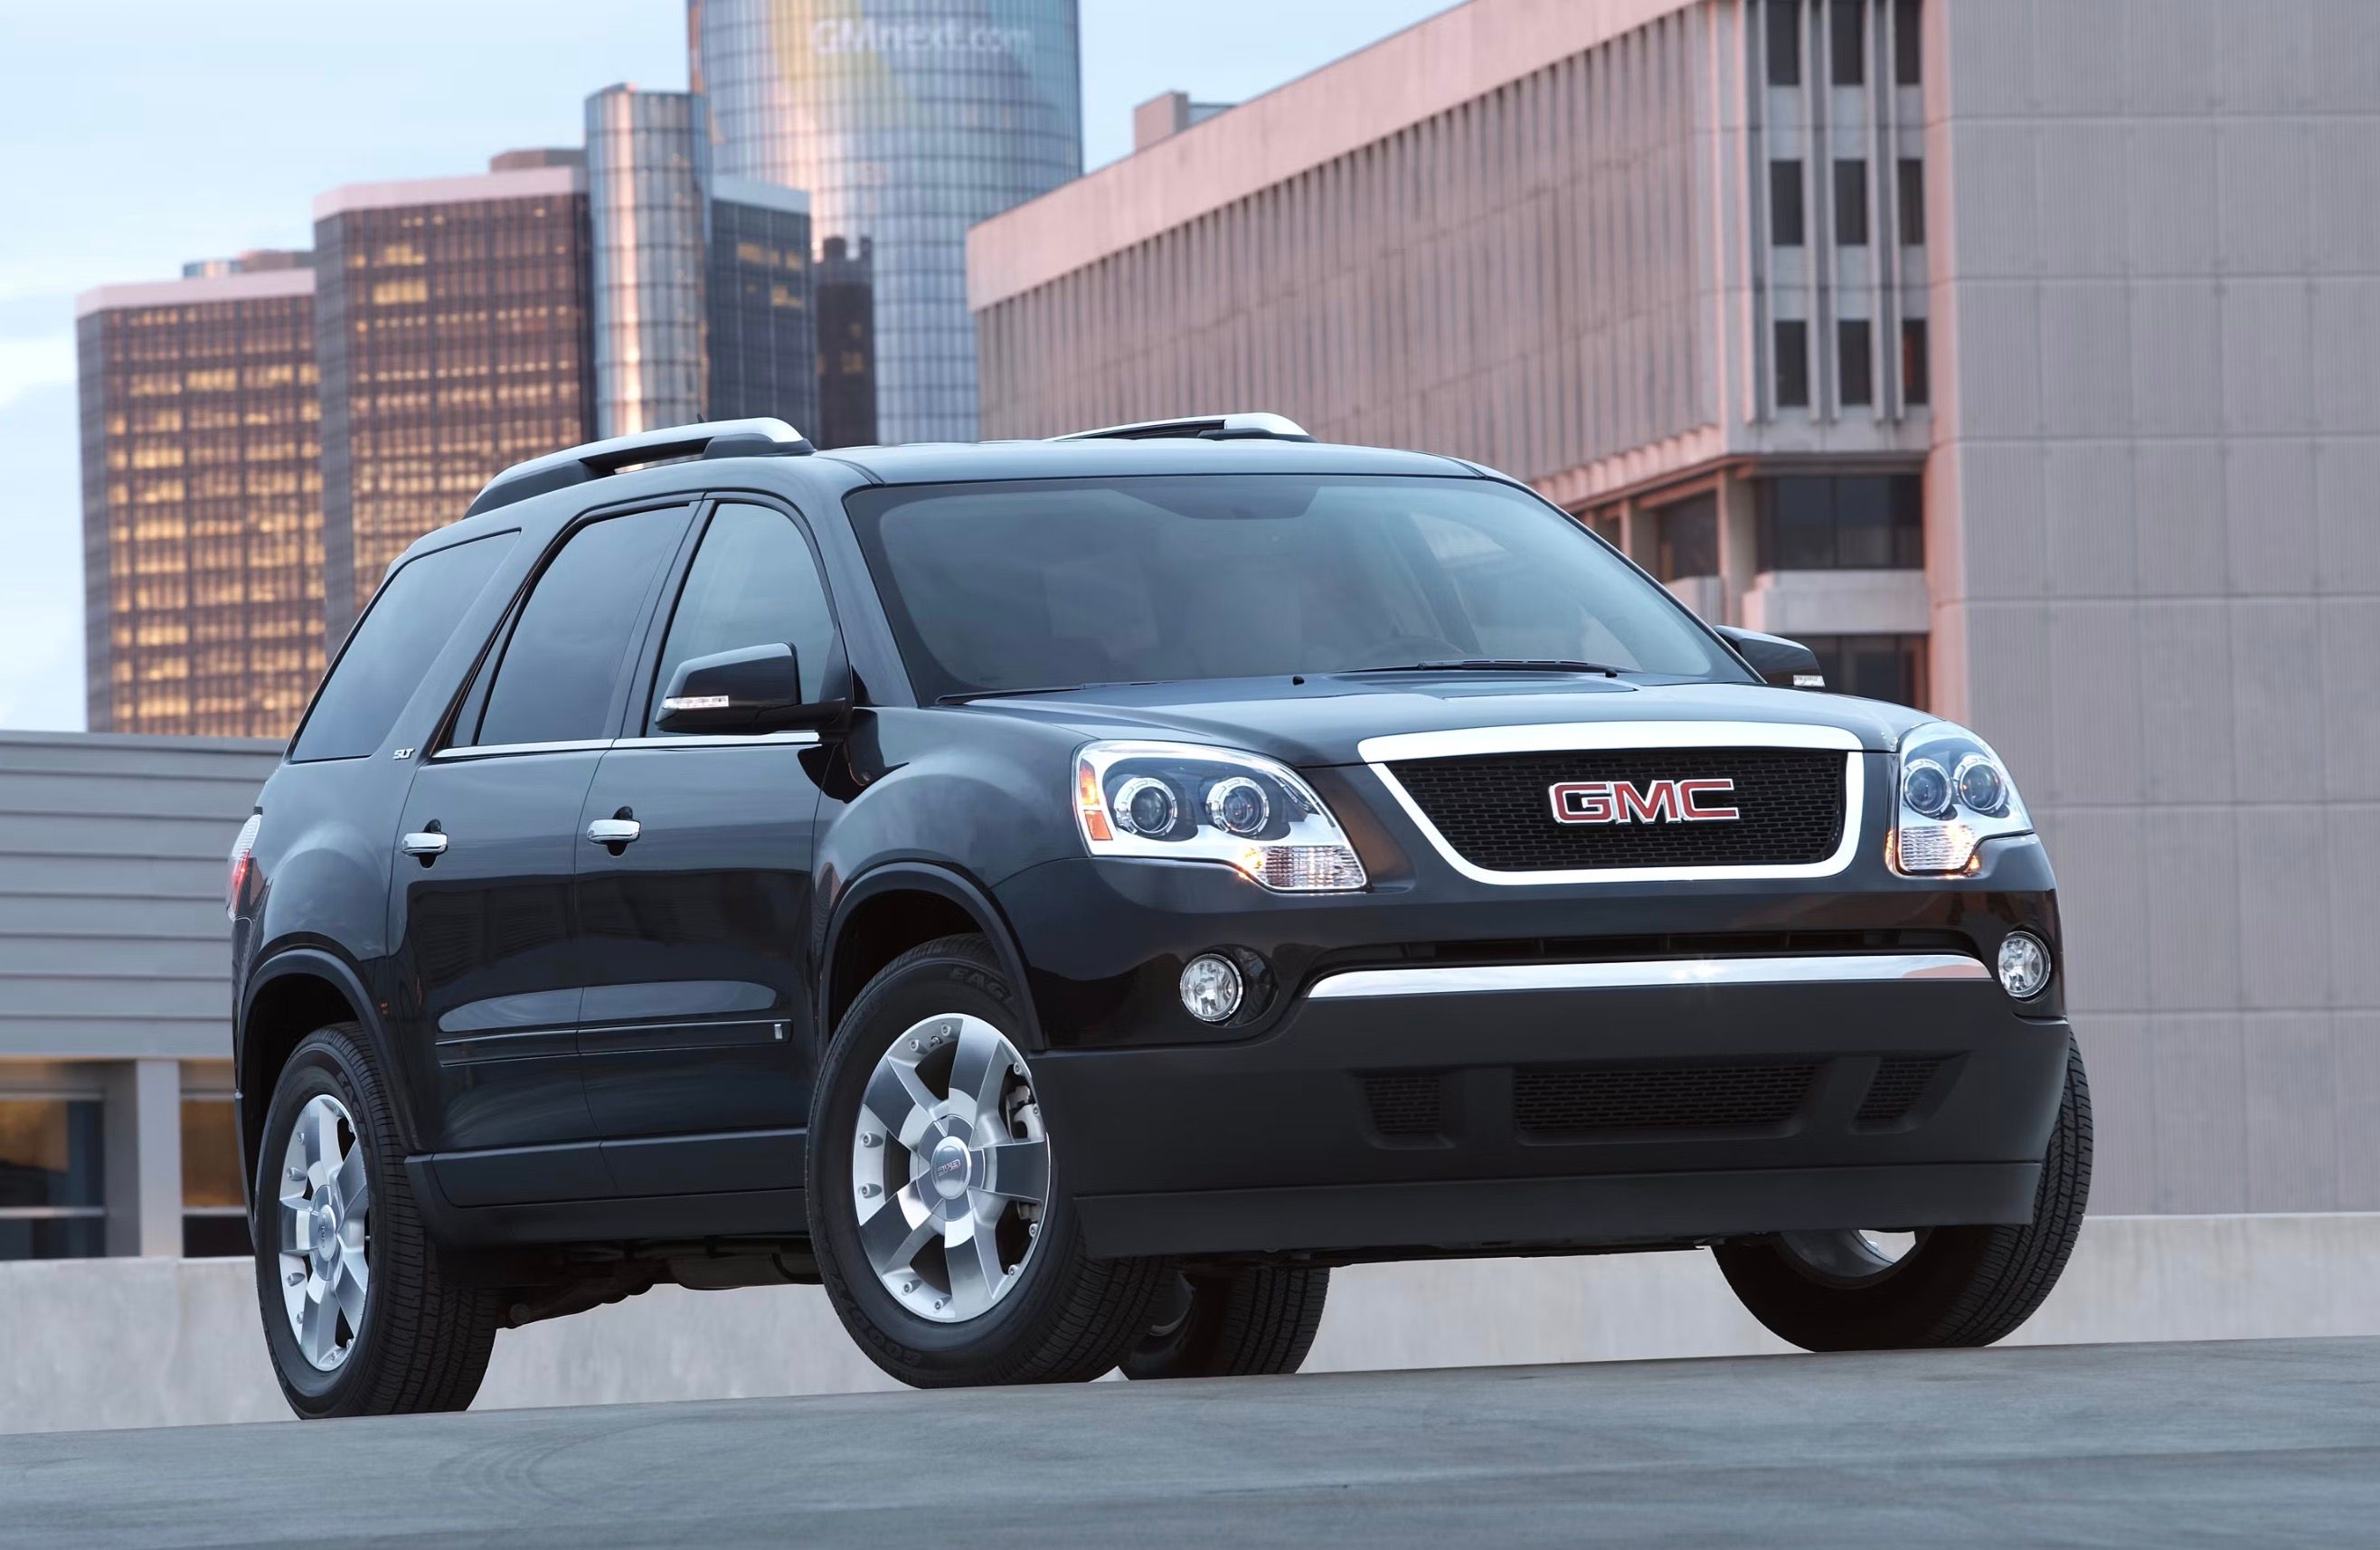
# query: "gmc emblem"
(1656, 801)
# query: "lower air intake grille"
(1582, 1102)
(1901, 1080)
(1406, 1106)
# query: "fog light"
(2025, 965)
(1212, 988)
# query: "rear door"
(481, 905)
(695, 1024)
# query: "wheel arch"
(894, 907)
(288, 996)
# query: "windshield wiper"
(1494, 664)
(970, 695)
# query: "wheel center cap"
(326, 1233)
(950, 1167)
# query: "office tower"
(906, 123)
(452, 324)
(702, 306)
(846, 335)
(202, 515)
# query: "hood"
(1320, 721)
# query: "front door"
(694, 1032)
(482, 905)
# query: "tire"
(408, 1340)
(939, 1314)
(1261, 1319)
(1958, 1286)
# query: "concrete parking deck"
(2270, 1442)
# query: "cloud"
(27, 365)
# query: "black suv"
(1068, 896)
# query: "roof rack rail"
(1256, 427)
(595, 460)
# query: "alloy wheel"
(950, 1169)
(325, 1228)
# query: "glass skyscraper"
(846, 340)
(202, 503)
(451, 327)
(906, 121)
(702, 283)
(761, 304)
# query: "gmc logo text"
(1656, 801)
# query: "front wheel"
(938, 1207)
(1951, 1286)
(359, 1312)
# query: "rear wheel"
(359, 1312)
(1951, 1286)
(937, 1209)
(1260, 1319)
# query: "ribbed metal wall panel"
(113, 941)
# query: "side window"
(410, 621)
(753, 583)
(570, 644)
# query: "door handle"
(430, 844)
(613, 832)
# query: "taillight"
(242, 849)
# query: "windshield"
(1036, 584)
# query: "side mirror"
(758, 688)
(1789, 664)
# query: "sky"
(137, 134)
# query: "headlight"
(1954, 795)
(1188, 803)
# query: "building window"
(52, 1197)
(1784, 42)
(1785, 204)
(1851, 204)
(1906, 39)
(1836, 522)
(1916, 368)
(1857, 381)
(1688, 534)
(214, 1223)
(1873, 667)
(1912, 202)
(1844, 45)
(1793, 364)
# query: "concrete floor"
(2272, 1442)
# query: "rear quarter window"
(410, 621)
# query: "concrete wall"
(2154, 531)
(174, 1342)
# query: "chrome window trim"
(513, 750)
(1651, 973)
(605, 744)
(1378, 752)
(723, 740)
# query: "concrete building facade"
(202, 500)
(2016, 353)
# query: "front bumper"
(1483, 1120)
